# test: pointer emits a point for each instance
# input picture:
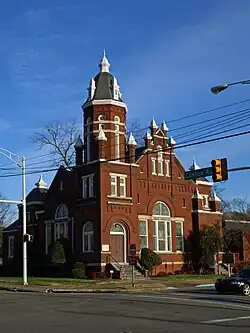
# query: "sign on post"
(132, 260)
(132, 254)
(199, 173)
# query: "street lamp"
(20, 162)
(217, 89)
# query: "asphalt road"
(175, 311)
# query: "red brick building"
(117, 194)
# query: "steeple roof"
(105, 84)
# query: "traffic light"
(27, 238)
(219, 170)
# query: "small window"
(88, 237)
(167, 169)
(88, 190)
(122, 187)
(179, 236)
(184, 203)
(114, 185)
(205, 201)
(143, 234)
(11, 247)
(153, 166)
(116, 119)
(102, 118)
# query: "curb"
(205, 285)
(14, 289)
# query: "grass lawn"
(154, 283)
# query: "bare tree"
(6, 214)
(60, 138)
(134, 126)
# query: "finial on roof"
(104, 64)
(197, 195)
(79, 143)
(194, 166)
(171, 141)
(131, 140)
(164, 126)
(153, 123)
(213, 196)
(41, 183)
(148, 136)
(101, 135)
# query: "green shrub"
(58, 254)
(78, 273)
(150, 259)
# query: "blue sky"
(165, 54)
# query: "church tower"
(104, 114)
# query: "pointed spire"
(213, 196)
(79, 143)
(171, 141)
(41, 183)
(153, 123)
(194, 166)
(131, 140)
(148, 136)
(197, 195)
(164, 126)
(101, 135)
(104, 64)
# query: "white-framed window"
(117, 137)
(48, 237)
(167, 172)
(61, 212)
(162, 231)
(11, 247)
(60, 230)
(179, 236)
(101, 120)
(88, 139)
(88, 189)
(160, 162)
(88, 237)
(143, 234)
(153, 166)
(113, 185)
(122, 186)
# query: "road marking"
(224, 320)
(162, 297)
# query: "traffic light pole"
(239, 169)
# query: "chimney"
(79, 151)
(148, 140)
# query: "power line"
(147, 153)
(141, 129)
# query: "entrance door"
(117, 243)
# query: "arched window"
(88, 237)
(88, 139)
(160, 161)
(61, 225)
(162, 228)
(61, 212)
(117, 137)
(101, 119)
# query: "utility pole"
(16, 160)
(23, 169)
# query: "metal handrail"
(110, 256)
